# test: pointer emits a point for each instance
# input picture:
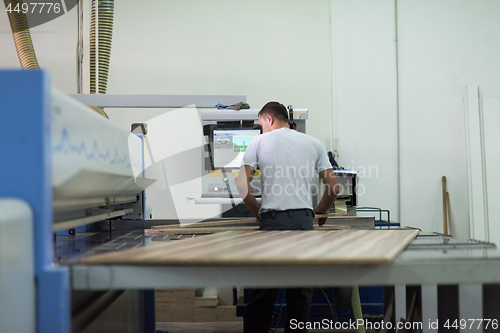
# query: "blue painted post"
(150, 311)
(149, 295)
(25, 173)
(141, 136)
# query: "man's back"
(287, 160)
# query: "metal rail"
(62, 205)
(73, 223)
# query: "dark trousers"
(260, 306)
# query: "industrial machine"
(68, 167)
(65, 168)
(227, 133)
(72, 178)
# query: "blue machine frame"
(25, 111)
(149, 295)
(26, 174)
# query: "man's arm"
(243, 184)
(330, 194)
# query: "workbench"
(433, 261)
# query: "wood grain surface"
(211, 230)
(230, 222)
(269, 248)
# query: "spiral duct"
(101, 33)
(22, 36)
(99, 111)
(24, 44)
(101, 24)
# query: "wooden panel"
(491, 115)
(269, 248)
(211, 230)
(232, 222)
(209, 301)
(475, 167)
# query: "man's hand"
(243, 184)
(322, 220)
(331, 192)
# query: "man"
(287, 160)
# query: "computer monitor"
(230, 146)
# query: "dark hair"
(275, 110)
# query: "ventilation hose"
(104, 10)
(22, 36)
(104, 32)
(99, 111)
(24, 43)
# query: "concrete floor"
(193, 327)
(221, 327)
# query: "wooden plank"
(206, 224)
(210, 301)
(340, 207)
(221, 313)
(174, 315)
(178, 305)
(211, 230)
(411, 311)
(175, 297)
(352, 221)
(202, 231)
(448, 209)
(205, 315)
(269, 248)
(388, 314)
(491, 114)
(445, 213)
(229, 222)
(475, 166)
(226, 313)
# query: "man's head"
(272, 116)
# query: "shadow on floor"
(221, 327)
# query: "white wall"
(443, 47)
(55, 46)
(284, 50)
(364, 85)
(266, 50)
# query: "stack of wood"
(182, 305)
(174, 305)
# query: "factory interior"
(126, 123)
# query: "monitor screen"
(230, 146)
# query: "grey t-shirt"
(287, 160)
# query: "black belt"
(274, 213)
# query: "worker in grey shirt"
(287, 161)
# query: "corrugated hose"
(26, 51)
(104, 32)
(22, 36)
(102, 25)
